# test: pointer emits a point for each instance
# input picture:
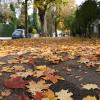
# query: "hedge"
(6, 30)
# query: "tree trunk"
(42, 15)
(89, 29)
(99, 30)
(45, 25)
(51, 25)
(26, 16)
(56, 28)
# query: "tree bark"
(42, 14)
(56, 28)
(51, 25)
(45, 25)
(26, 16)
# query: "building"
(96, 27)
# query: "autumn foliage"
(35, 79)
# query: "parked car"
(20, 33)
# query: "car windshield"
(17, 32)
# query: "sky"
(78, 2)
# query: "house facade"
(96, 27)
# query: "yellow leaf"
(49, 95)
(34, 87)
(90, 86)
(19, 68)
(64, 95)
(89, 98)
(2, 63)
(42, 67)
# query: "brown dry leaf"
(13, 61)
(38, 73)
(54, 59)
(83, 60)
(5, 93)
(25, 74)
(0, 74)
(24, 61)
(7, 69)
(34, 87)
(15, 83)
(49, 94)
(98, 69)
(89, 98)
(64, 94)
(1, 98)
(49, 71)
(90, 64)
(90, 86)
(19, 68)
(23, 97)
(2, 63)
(53, 78)
(38, 96)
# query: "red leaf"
(38, 96)
(17, 82)
(31, 61)
(23, 97)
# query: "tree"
(6, 15)
(43, 5)
(86, 15)
(36, 21)
(21, 20)
(14, 19)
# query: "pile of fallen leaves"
(39, 90)
(36, 81)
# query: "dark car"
(19, 33)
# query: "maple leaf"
(90, 64)
(1, 98)
(64, 94)
(38, 96)
(7, 69)
(0, 74)
(5, 93)
(17, 82)
(13, 61)
(98, 69)
(38, 73)
(89, 98)
(42, 67)
(83, 60)
(2, 63)
(23, 74)
(31, 61)
(18, 68)
(90, 86)
(49, 71)
(23, 97)
(53, 78)
(49, 94)
(34, 87)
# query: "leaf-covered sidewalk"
(50, 69)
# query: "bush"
(34, 31)
(6, 30)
